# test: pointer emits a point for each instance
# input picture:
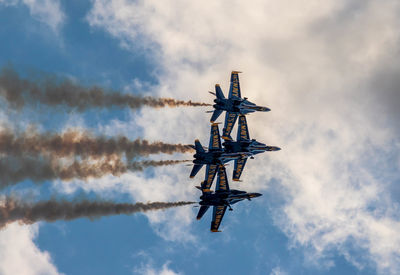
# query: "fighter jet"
(248, 147)
(222, 198)
(214, 156)
(233, 105)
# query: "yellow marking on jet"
(218, 216)
(243, 132)
(215, 143)
(210, 178)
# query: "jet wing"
(218, 214)
(203, 209)
(243, 130)
(238, 169)
(230, 119)
(215, 115)
(215, 138)
(234, 89)
(222, 181)
(211, 171)
(195, 170)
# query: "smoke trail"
(52, 210)
(84, 144)
(52, 92)
(13, 170)
(115, 167)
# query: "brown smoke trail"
(13, 170)
(52, 210)
(84, 144)
(116, 168)
(52, 92)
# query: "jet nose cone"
(273, 148)
(266, 109)
(257, 195)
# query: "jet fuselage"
(238, 105)
(252, 147)
(214, 157)
(227, 198)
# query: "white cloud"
(313, 63)
(148, 266)
(278, 271)
(48, 12)
(19, 254)
(149, 269)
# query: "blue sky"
(330, 197)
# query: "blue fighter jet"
(222, 198)
(248, 147)
(233, 105)
(214, 156)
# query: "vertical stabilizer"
(218, 92)
(198, 147)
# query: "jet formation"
(218, 154)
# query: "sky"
(329, 72)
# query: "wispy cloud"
(48, 12)
(150, 269)
(278, 271)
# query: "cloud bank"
(327, 72)
(19, 254)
